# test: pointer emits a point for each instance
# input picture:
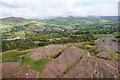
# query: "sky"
(55, 8)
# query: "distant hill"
(13, 19)
(63, 20)
(73, 20)
(110, 18)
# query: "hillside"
(66, 61)
(13, 20)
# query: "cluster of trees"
(30, 40)
(17, 44)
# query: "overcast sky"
(54, 8)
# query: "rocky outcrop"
(107, 43)
(65, 60)
(46, 51)
(93, 67)
(108, 47)
(70, 62)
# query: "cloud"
(47, 8)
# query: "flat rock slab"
(65, 60)
(11, 69)
(46, 51)
(82, 70)
(93, 67)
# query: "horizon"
(55, 17)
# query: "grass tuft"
(37, 65)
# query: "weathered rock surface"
(29, 74)
(106, 69)
(93, 67)
(46, 51)
(108, 47)
(100, 66)
(11, 69)
(107, 43)
(65, 60)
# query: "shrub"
(118, 39)
(42, 44)
(103, 40)
(97, 52)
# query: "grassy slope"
(12, 56)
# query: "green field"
(102, 35)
